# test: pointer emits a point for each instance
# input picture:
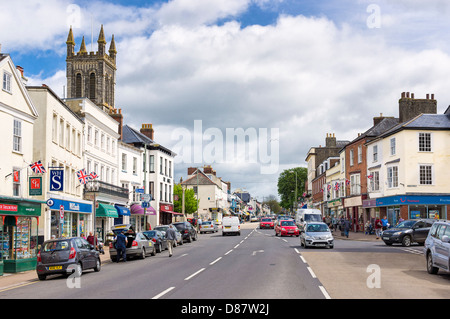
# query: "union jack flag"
(93, 175)
(370, 176)
(336, 186)
(347, 182)
(82, 176)
(37, 167)
(329, 187)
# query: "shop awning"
(122, 210)
(137, 209)
(105, 210)
(171, 212)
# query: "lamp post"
(93, 187)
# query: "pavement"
(9, 281)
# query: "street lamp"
(92, 187)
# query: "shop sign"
(20, 209)
(56, 180)
(35, 186)
(165, 208)
(69, 206)
(413, 200)
(8, 208)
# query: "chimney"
(191, 170)
(330, 141)
(207, 169)
(117, 115)
(409, 108)
(378, 119)
(147, 130)
(20, 69)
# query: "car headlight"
(397, 233)
(283, 229)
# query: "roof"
(202, 179)
(132, 136)
(422, 122)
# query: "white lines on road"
(325, 293)
(236, 246)
(163, 293)
(228, 252)
(296, 250)
(212, 263)
(284, 240)
(311, 272)
(303, 259)
(194, 274)
(412, 251)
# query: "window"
(151, 189)
(55, 128)
(355, 184)
(68, 136)
(170, 169)
(161, 165)
(17, 136)
(124, 162)
(7, 81)
(392, 142)
(61, 132)
(165, 166)
(424, 142)
(134, 165)
(16, 182)
(392, 176)
(375, 181)
(170, 193)
(102, 142)
(375, 153)
(360, 154)
(96, 138)
(92, 86)
(425, 174)
(351, 157)
(160, 191)
(78, 85)
(89, 134)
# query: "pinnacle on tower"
(83, 47)
(70, 38)
(112, 48)
(101, 36)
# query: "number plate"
(386, 238)
(320, 245)
(55, 268)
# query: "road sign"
(139, 190)
(145, 205)
(61, 212)
(146, 197)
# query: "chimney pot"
(432, 96)
(412, 95)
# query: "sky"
(246, 86)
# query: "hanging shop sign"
(35, 186)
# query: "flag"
(347, 182)
(336, 186)
(37, 167)
(93, 175)
(370, 176)
(82, 176)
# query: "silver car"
(163, 229)
(316, 234)
(138, 244)
(208, 226)
(437, 247)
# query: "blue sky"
(306, 67)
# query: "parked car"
(66, 256)
(266, 222)
(187, 231)
(208, 226)
(408, 232)
(437, 247)
(163, 229)
(138, 244)
(231, 225)
(253, 218)
(158, 239)
(316, 234)
(286, 228)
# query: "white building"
(58, 140)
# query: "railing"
(100, 187)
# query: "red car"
(266, 223)
(286, 228)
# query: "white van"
(307, 215)
(231, 225)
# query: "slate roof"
(422, 122)
(132, 136)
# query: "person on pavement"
(347, 226)
(121, 246)
(171, 237)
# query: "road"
(255, 265)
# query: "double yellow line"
(23, 284)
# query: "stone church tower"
(92, 74)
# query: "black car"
(66, 256)
(187, 231)
(408, 232)
(158, 239)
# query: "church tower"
(92, 74)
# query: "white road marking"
(296, 250)
(325, 293)
(212, 263)
(228, 251)
(311, 272)
(163, 293)
(303, 259)
(236, 246)
(194, 274)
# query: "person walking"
(121, 246)
(378, 226)
(385, 223)
(171, 237)
(347, 226)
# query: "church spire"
(112, 48)
(83, 47)
(70, 43)
(101, 42)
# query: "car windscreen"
(206, 223)
(180, 226)
(287, 223)
(313, 218)
(317, 228)
(406, 224)
(266, 220)
(150, 233)
(56, 245)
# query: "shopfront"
(139, 217)
(166, 214)
(354, 212)
(104, 219)
(19, 222)
(335, 208)
(76, 217)
(414, 206)
(124, 214)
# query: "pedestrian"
(385, 223)
(347, 226)
(171, 237)
(378, 227)
(91, 239)
(121, 246)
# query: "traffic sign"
(145, 205)
(61, 212)
(146, 197)
(139, 190)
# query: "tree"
(287, 182)
(190, 201)
(273, 204)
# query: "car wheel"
(430, 268)
(98, 265)
(406, 241)
(159, 248)
(42, 277)
(153, 251)
(143, 253)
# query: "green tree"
(273, 204)
(190, 203)
(287, 182)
